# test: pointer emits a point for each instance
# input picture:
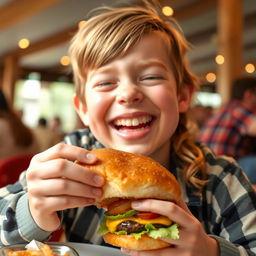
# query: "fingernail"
(98, 180)
(90, 157)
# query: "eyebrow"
(99, 71)
(139, 64)
(152, 62)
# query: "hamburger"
(131, 177)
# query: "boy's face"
(132, 103)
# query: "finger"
(63, 168)
(67, 152)
(165, 208)
(161, 252)
(57, 187)
(58, 203)
(183, 236)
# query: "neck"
(163, 155)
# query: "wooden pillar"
(230, 26)
(10, 74)
(1, 76)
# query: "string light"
(81, 23)
(24, 43)
(249, 68)
(210, 77)
(65, 60)
(167, 11)
(220, 59)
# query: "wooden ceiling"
(49, 24)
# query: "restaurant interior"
(34, 62)
(35, 72)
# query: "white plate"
(95, 250)
(74, 249)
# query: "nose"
(129, 94)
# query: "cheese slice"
(112, 224)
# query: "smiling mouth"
(133, 123)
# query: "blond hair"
(111, 33)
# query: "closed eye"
(104, 85)
(153, 77)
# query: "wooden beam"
(203, 35)
(45, 43)
(194, 9)
(1, 76)
(18, 10)
(66, 35)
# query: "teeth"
(133, 121)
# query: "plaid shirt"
(226, 207)
(224, 131)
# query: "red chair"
(58, 236)
(10, 168)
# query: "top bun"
(132, 176)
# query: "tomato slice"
(146, 215)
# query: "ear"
(81, 110)
(184, 98)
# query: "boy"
(133, 88)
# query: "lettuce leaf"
(171, 232)
(103, 228)
(127, 214)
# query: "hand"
(193, 240)
(55, 183)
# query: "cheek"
(167, 103)
(166, 100)
(97, 106)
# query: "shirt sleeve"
(17, 224)
(231, 211)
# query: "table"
(94, 250)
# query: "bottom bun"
(130, 242)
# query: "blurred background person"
(56, 126)
(45, 135)
(198, 115)
(226, 129)
(248, 162)
(15, 137)
(201, 114)
(231, 130)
